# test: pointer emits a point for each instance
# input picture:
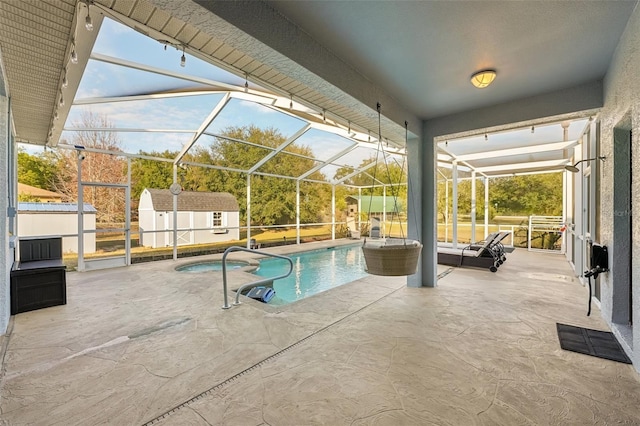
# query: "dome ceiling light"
(483, 78)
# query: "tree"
(390, 173)
(539, 194)
(273, 199)
(524, 195)
(151, 173)
(96, 167)
(39, 170)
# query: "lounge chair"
(478, 255)
(352, 232)
(495, 246)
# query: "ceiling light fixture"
(74, 54)
(483, 78)
(88, 23)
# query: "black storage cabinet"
(38, 280)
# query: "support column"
(359, 209)
(421, 209)
(454, 210)
(566, 196)
(80, 215)
(6, 251)
(127, 216)
(297, 212)
(486, 207)
(248, 211)
(446, 211)
(473, 206)
(175, 214)
(333, 212)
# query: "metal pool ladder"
(251, 284)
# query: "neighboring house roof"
(376, 202)
(37, 192)
(193, 201)
(54, 208)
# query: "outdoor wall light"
(483, 78)
(575, 169)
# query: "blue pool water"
(313, 272)
(214, 265)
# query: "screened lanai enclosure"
(146, 114)
(514, 181)
(139, 110)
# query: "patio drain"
(445, 273)
(257, 365)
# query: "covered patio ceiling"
(524, 150)
(39, 39)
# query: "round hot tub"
(212, 265)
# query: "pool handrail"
(251, 284)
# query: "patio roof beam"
(455, 159)
(538, 172)
(355, 173)
(556, 146)
(212, 166)
(523, 166)
(117, 153)
(148, 96)
(125, 130)
(214, 113)
(285, 144)
(141, 67)
(230, 139)
(449, 165)
(330, 160)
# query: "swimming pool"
(313, 272)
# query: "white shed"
(40, 219)
(203, 217)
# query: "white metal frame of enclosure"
(110, 261)
(125, 259)
(314, 119)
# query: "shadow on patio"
(147, 344)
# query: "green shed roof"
(377, 203)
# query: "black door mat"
(601, 344)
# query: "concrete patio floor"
(148, 345)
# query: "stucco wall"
(5, 253)
(622, 108)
